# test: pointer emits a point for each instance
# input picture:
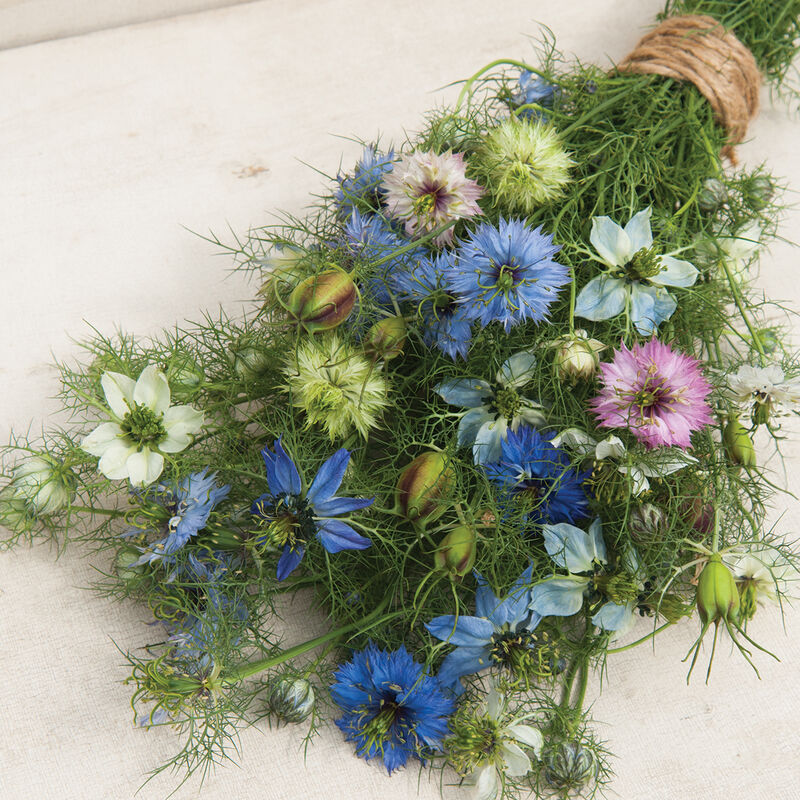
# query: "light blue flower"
(636, 275)
(531, 89)
(493, 407)
(498, 635)
(580, 553)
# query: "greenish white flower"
(45, 484)
(765, 388)
(762, 576)
(143, 427)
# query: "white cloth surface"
(109, 143)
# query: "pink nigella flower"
(657, 393)
(427, 190)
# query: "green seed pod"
(738, 444)
(14, 512)
(385, 339)
(717, 594)
(712, 195)
(248, 360)
(456, 552)
(291, 699)
(569, 766)
(323, 302)
(760, 191)
(123, 564)
(422, 486)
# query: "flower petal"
(485, 781)
(489, 441)
(282, 474)
(461, 631)
(114, 461)
(329, 477)
(118, 389)
(471, 423)
(613, 616)
(639, 231)
(517, 370)
(152, 390)
(517, 763)
(529, 736)
(610, 447)
(464, 392)
(677, 273)
(612, 243)
(336, 536)
(337, 506)
(144, 467)
(650, 306)
(602, 298)
(558, 597)
(288, 561)
(462, 661)
(569, 547)
(181, 423)
(101, 438)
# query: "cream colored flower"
(143, 427)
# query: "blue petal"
(337, 506)
(602, 298)
(558, 597)
(489, 441)
(613, 616)
(461, 631)
(328, 477)
(596, 532)
(336, 536)
(289, 560)
(282, 474)
(464, 392)
(650, 306)
(569, 547)
(462, 661)
(485, 599)
(515, 608)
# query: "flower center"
(644, 263)
(652, 393)
(425, 204)
(144, 426)
(475, 743)
(289, 520)
(440, 302)
(378, 730)
(524, 653)
(620, 588)
(507, 403)
(506, 277)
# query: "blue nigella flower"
(190, 502)
(363, 187)
(493, 407)
(442, 319)
(582, 554)
(498, 635)
(391, 708)
(296, 516)
(533, 89)
(507, 274)
(535, 475)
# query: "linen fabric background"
(113, 146)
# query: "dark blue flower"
(443, 321)
(391, 708)
(363, 187)
(533, 89)
(295, 516)
(190, 503)
(507, 274)
(498, 635)
(536, 476)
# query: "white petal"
(152, 390)
(101, 438)
(575, 439)
(640, 482)
(485, 780)
(529, 412)
(517, 763)
(144, 467)
(494, 702)
(610, 447)
(611, 242)
(118, 390)
(517, 370)
(489, 441)
(114, 463)
(528, 735)
(638, 230)
(181, 423)
(675, 273)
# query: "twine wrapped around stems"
(698, 49)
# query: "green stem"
(737, 298)
(572, 294)
(640, 641)
(108, 512)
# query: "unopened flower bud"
(422, 487)
(123, 564)
(323, 302)
(768, 339)
(385, 339)
(738, 444)
(569, 766)
(184, 375)
(291, 699)
(14, 512)
(647, 523)
(712, 195)
(44, 483)
(456, 552)
(248, 360)
(759, 192)
(577, 356)
(717, 595)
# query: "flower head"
(295, 517)
(336, 386)
(45, 484)
(659, 394)
(391, 708)
(764, 389)
(442, 319)
(507, 274)
(523, 165)
(494, 408)
(762, 575)
(533, 90)
(144, 426)
(536, 476)
(364, 186)
(636, 276)
(426, 191)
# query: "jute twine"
(698, 49)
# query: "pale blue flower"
(532, 89)
(493, 407)
(636, 275)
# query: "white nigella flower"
(738, 250)
(764, 386)
(655, 463)
(493, 407)
(44, 484)
(762, 575)
(143, 427)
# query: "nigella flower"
(392, 709)
(295, 516)
(189, 504)
(659, 394)
(536, 476)
(507, 274)
(493, 407)
(763, 389)
(426, 191)
(531, 89)
(499, 635)
(363, 187)
(636, 276)
(443, 320)
(144, 426)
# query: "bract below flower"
(143, 428)
(636, 275)
(494, 408)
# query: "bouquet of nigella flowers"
(504, 408)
